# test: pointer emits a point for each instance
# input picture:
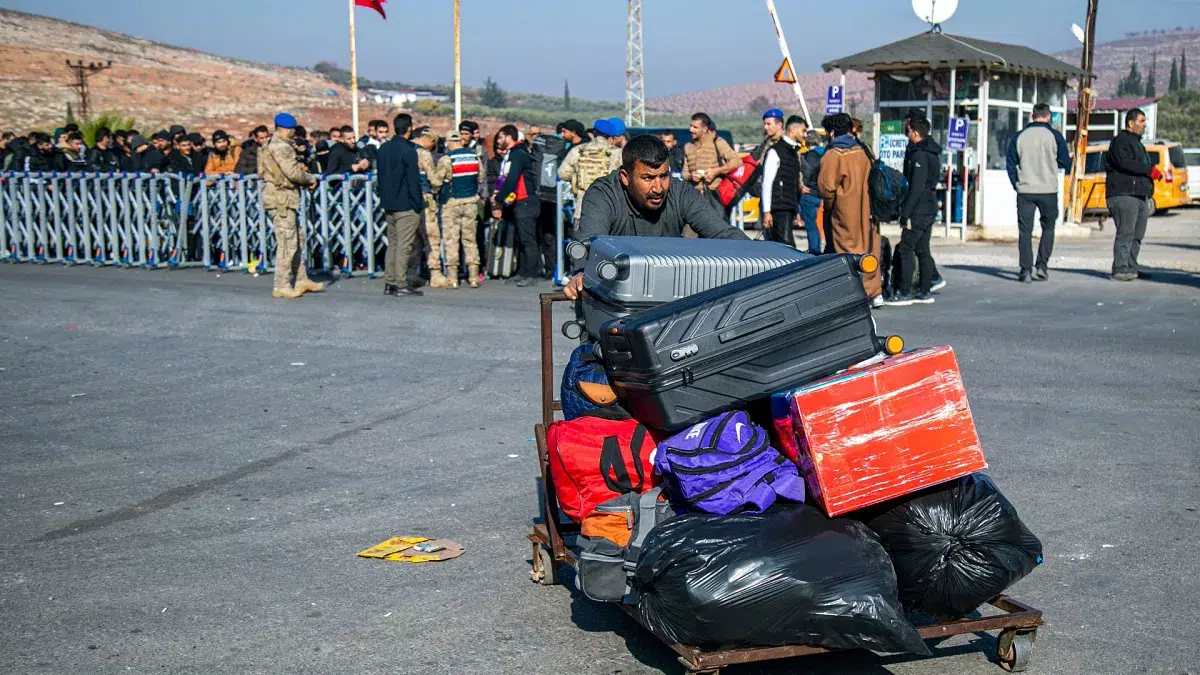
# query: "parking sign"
(957, 138)
(833, 100)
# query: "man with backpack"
(780, 179)
(843, 182)
(707, 160)
(585, 163)
(922, 170)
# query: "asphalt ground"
(178, 495)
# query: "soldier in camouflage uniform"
(467, 181)
(587, 162)
(431, 182)
(282, 177)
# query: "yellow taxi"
(1170, 191)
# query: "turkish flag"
(376, 5)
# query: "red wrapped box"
(880, 432)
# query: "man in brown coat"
(845, 169)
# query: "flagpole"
(457, 72)
(353, 73)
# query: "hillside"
(1112, 61)
(157, 84)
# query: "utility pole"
(635, 83)
(1083, 116)
(457, 70)
(82, 73)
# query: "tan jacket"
(428, 171)
(282, 174)
(843, 185)
(705, 155)
(216, 165)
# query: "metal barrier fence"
(170, 220)
(214, 222)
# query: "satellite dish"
(934, 12)
(1077, 32)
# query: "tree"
(1132, 84)
(759, 104)
(492, 95)
(566, 95)
(1173, 85)
(1183, 81)
(1151, 87)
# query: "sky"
(534, 45)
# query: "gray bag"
(605, 570)
(625, 275)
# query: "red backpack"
(593, 460)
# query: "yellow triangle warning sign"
(785, 74)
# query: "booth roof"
(942, 50)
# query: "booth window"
(1003, 125)
(1005, 87)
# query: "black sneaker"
(1041, 274)
(527, 282)
(389, 289)
(938, 284)
(923, 298)
(1026, 277)
(512, 281)
(407, 291)
(898, 300)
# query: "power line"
(82, 73)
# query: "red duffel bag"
(730, 189)
(593, 460)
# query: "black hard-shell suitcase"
(685, 361)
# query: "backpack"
(594, 160)
(593, 460)
(887, 189)
(726, 465)
(585, 388)
(610, 543)
(548, 152)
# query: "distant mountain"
(1112, 60)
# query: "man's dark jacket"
(154, 160)
(607, 210)
(341, 160)
(923, 170)
(247, 163)
(104, 161)
(1127, 167)
(399, 176)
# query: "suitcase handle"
(747, 328)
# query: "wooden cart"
(1017, 623)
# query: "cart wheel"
(1015, 649)
(549, 576)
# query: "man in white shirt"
(781, 177)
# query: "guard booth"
(991, 84)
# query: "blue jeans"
(808, 215)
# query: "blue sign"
(957, 138)
(833, 100)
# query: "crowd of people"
(802, 172)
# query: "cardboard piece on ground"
(399, 549)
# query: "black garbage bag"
(789, 576)
(956, 546)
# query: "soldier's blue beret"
(285, 121)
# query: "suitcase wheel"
(893, 345)
(572, 330)
(577, 251)
(867, 264)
